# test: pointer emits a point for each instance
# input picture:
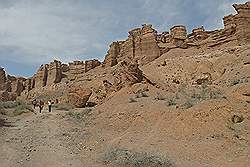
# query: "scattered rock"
(237, 119)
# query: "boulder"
(127, 74)
(78, 96)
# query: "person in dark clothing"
(41, 104)
(34, 102)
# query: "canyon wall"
(142, 46)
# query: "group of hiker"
(41, 104)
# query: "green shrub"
(14, 108)
(141, 94)
(215, 94)
(123, 157)
(9, 104)
(188, 104)
(79, 115)
(171, 102)
(159, 97)
(75, 115)
(64, 107)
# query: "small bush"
(75, 115)
(9, 104)
(144, 94)
(188, 104)
(123, 157)
(22, 108)
(14, 108)
(141, 94)
(79, 115)
(171, 102)
(132, 100)
(216, 95)
(64, 107)
(235, 82)
(159, 97)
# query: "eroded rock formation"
(2, 79)
(78, 96)
(54, 72)
(40, 78)
(142, 46)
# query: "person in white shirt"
(49, 105)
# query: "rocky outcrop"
(16, 84)
(40, 78)
(28, 84)
(77, 68)
(91, 64)
(10, 86)
(78, 96)
(229, 25)
(140, 46)
(242, 21)
(126, 74)
(198, 34)
(149, 48)
(178, 35)
(3, 79)
(7, 96)
(54, 73)
(113, 53)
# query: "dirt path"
(36, 140)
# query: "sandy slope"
(40, 140)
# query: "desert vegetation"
(15, 108)
(128, 158)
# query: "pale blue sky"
(33, 32)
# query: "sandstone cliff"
(142, 47)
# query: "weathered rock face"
(16, 84)
(54, 72)
(199, 34)
(126, 74)
(131, 47)
(229, 23)
(178, 32)
(91, 64)
(113, 53)
(141, 45)
(28, 84)
(40, 78)
(78, 96)
(2, 79)
(149, 48)
(242, 21)
(77, 68)
(7, 96)
(178, 35)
